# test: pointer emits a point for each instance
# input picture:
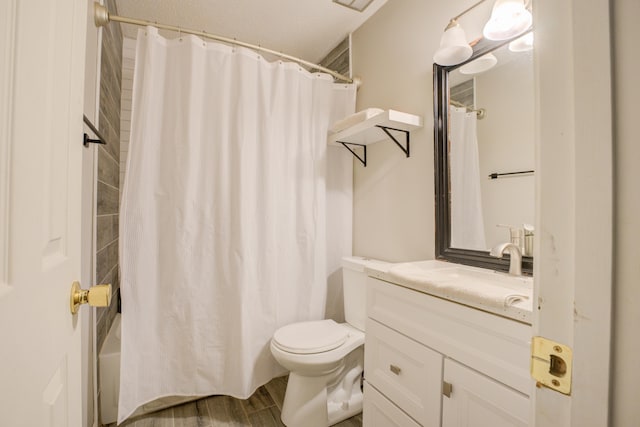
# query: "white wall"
(626, 307)
(393, 196)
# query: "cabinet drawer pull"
(447, 388)
(395, 369)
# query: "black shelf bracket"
(363, 160)
(405, 149)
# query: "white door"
(573, 257)
(42, 48)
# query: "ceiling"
(308, 29)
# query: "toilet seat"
(316, 336)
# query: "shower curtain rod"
(102, 17)
(480, 113)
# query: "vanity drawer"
(494, 345)
(407, 372)
(378, 411)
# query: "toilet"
(325, 358)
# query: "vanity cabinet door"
(478, 401)
(408, 373)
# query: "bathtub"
(109, 368)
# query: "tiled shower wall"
(339, 59)
(107, 194)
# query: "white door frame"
(89, 181)
(574, 203)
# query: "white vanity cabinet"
(420, 347)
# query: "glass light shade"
(508, 19)
(522, 44)
(479, 65)
(454, 47)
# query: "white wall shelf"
(389, 124)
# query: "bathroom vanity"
(432, 361)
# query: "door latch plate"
(551, 364)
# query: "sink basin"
(441, 271)
(488, 290)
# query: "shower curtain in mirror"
(467, 220)
(223, 218)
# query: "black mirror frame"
(443, 250)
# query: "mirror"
(484, 155)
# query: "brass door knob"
(96, 296)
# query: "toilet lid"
(310, 337)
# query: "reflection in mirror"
(485, 153)
(485, 210)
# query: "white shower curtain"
(223, 218)
(467, 220)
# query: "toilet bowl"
(326, 359)
(324, 380)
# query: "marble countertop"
(486, 290)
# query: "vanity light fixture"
(509, 18)
(454, 47)
(480, 65)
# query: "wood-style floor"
(262, 409)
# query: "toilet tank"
(354, 289)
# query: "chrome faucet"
(515, 263)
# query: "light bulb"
(508, 19)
